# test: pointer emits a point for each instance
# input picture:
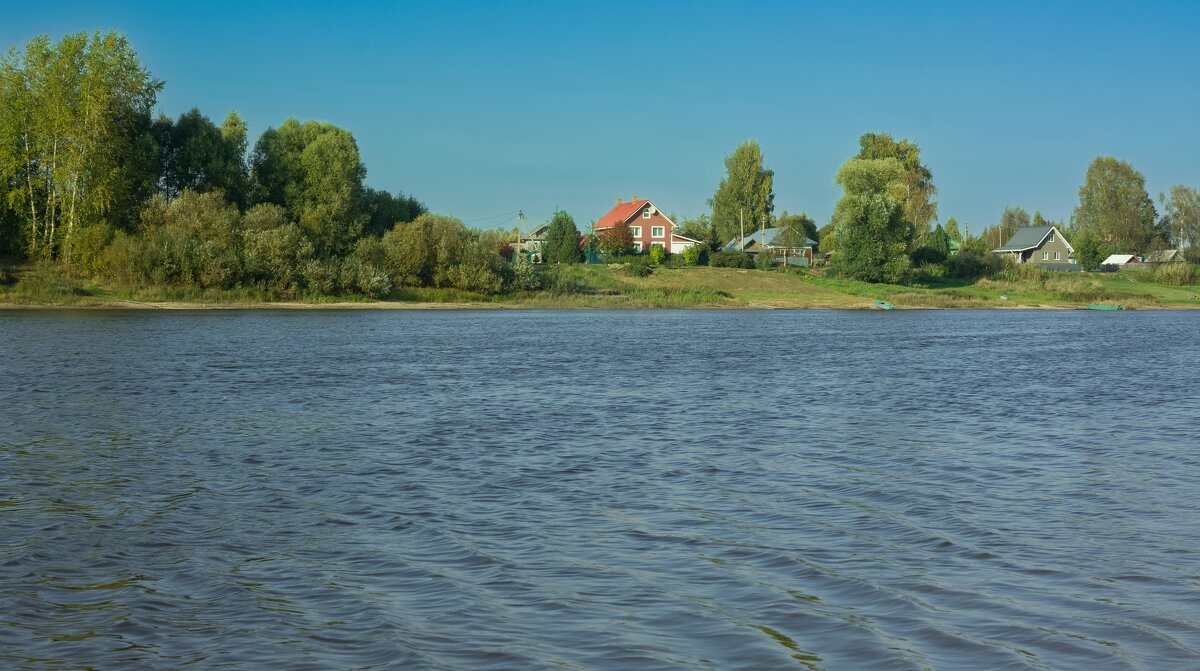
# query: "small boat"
(1097, 306)
(884, 305)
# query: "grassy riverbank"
(611, 287)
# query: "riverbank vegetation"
(105, 204)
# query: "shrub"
(524, 275)
(563, 283)
(695, 255)
(972, 264)
(637, 267)
(1175, 274)
(658, 254)
(734, 259)
(764, 260)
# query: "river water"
(599, 490)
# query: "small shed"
(1164, 256)
(1118, 260)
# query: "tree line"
(92, 181)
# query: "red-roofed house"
(648, 225)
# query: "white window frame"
(1050, 236)
(1057, 257)
(635, 231)
(646, 213)
(1045, 256)
(658, 231)
(637, 247)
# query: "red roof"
(621, 212)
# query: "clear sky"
(482, 108)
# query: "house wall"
(1049, 247)
(645, 234)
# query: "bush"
(764, 260)
(637, 266)
(658, 254)
(971, 264)
(524, 275)
(563, 283)
(735, 259)
(1175, 274)
(695, 255)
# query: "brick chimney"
(618, 201)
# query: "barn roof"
(1025, 238)
(769, 234)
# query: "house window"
(1056, 256)
(1050, 238)
(658, 231)
(637, 247)
(635, 231)
(1045, 256)
(646, 213)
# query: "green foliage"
(1011, 219)
(733, 259)
(764, 260)
(658, 254)
(196, 155)
(974, 260)
(384, 210)
(934, 247)
(1114, 205)
(918, 197)
(951, 229)
(562, 240)
(744, 197)
(701, 228)
(696, 255)
(524, 275)
(314, 171)
(872, 235)
(1176, 274)
(74, 121)
(1183, 209)
(1090, 250)
(796, 228)
(617, 240)
(637, 266)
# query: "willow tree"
(1114, 205)
(872, 234)
(315, 172)
(919, 196)
(73, 118)
(744, 198)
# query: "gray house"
(1039, 245)
(771, 240)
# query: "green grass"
(596, 286)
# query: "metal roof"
(1118, 260)
(1028, 237)
(769, 234)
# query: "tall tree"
(74, 115)
(314, 171)
(1114, 205)
(795, 228)
(872, 234)
(198, 156)
(745, 196)
(562, 240)
(919, 199)
(952, 231)
(384, 210)
(1183, 208)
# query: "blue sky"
(483, 108)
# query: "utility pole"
(742, 230)
(762, 235)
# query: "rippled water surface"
(589, 490)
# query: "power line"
(494, 216)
